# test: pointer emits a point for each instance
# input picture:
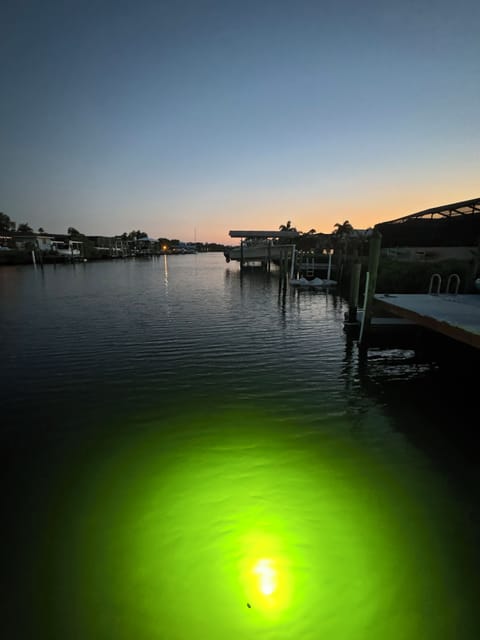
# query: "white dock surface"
(456, 316)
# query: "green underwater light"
(228, 527)
(267, 576)
(265, 573)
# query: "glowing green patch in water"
(173, 533)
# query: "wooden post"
(241, 254)
(354, 291)
(329, 272)
(371, 283)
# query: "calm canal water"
(194, 454)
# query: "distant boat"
(183, 248)
(261, 246)
(316, 283)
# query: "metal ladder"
(436, 281)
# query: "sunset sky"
(189, 118)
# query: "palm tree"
(344, 229)
(287, 227)
(6, 224)
(345, 241)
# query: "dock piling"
(370, 286)
(354, 293)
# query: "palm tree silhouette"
(343, 229)
(287, 227)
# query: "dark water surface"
(191, 453)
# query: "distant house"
(147, 246)
(110, 246)
(32, 240)
(6, 242)
(59, 244)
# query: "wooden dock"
(455, 316)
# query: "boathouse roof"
(292, 233)
(456, 224)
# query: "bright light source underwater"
(267, 576)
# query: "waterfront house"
(29, 241)
(6, 242)
(147, 246)
(110, 246)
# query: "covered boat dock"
(262, 247)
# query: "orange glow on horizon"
(323, 216)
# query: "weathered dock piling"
(354, 294)
(370, 285)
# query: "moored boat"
(261, 246)
(260, 251)
(315, 283)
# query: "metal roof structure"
(465, 208)
(456, 224)
(292, 233)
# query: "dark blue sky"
(182, 116)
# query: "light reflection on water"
(169, 432)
